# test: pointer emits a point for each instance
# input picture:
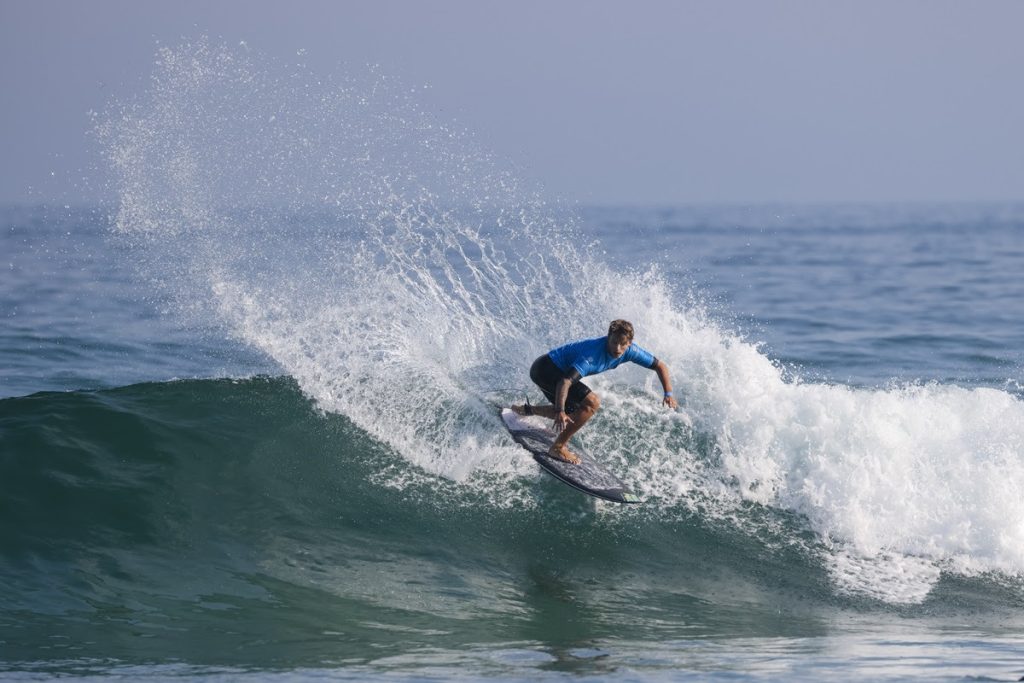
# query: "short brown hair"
(621, 327)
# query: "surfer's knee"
(592, 402)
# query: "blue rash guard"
(590, 356)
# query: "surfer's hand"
(562, 420)
(671, 402)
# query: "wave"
(191, 487)
(404, 281)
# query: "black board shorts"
(546, 375)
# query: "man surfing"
(558, 374)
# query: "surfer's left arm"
(666, 383)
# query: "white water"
(406, 281)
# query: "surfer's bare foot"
(564, 454)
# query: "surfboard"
(590, 476)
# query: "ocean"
(249, 414)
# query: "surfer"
(558, 374)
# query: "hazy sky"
(601, 102)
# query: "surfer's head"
(623, 327)
(620, 336)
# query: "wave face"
(230, 519)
